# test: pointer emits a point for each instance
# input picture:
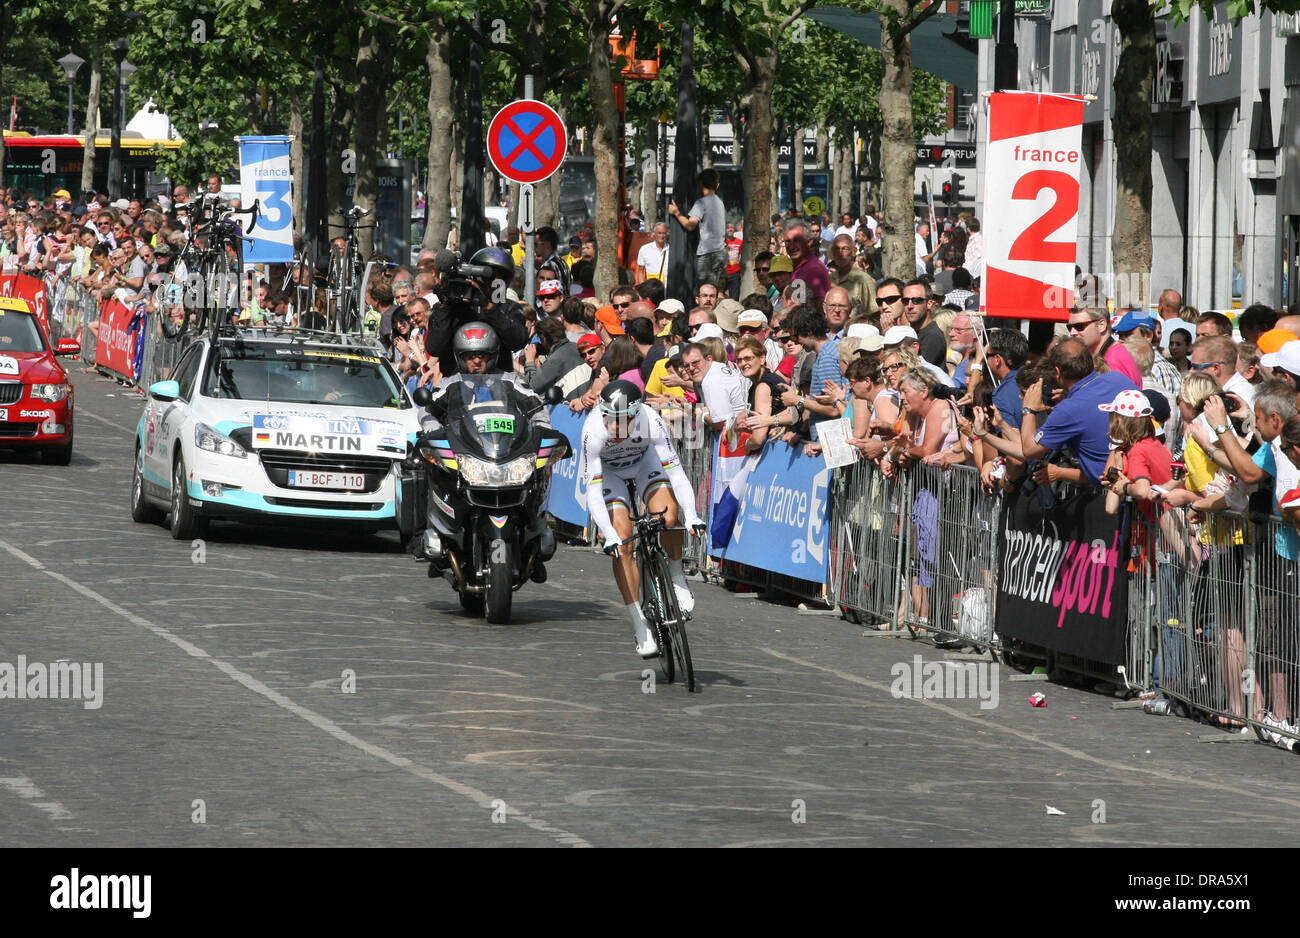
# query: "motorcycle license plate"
(499, 425)
(326, 480)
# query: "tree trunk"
(843, 177)
(366, 108)
(898, 141)
(339, 163)
(706, 143)
(796, 170)
(759, 167)
(1131, 126)
(296, 161)
(92, 122)
(650, 176)
(604, 144)
(437, 209)
(823, 144)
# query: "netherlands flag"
(730, 477)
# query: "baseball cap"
(972, 303)
(781, 263)
(79, 212)
(671, 307)
(122, 205)
(606, 316)
(1286, 357)
(1128, 404)
(751, 317)
(862, 330)
(550, 288)
(1290, 500)
(1274, 339)
(588, 340)
(897, 334)
(62, 194)
(870, 343)
(1137, 319)
(1160, 409)
(709, 330)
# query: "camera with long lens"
(462, 282)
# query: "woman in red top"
(1141, 463)
(734, 246)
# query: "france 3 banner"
(567, 498)
(265, 176)
(1031, 204)
(771, 512)
(1062, 575)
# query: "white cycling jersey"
(646, 456)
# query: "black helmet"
(501, 262)
(477, 337)
(620, 399)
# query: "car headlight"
(516, 472)
(208, 439)
(49, 392)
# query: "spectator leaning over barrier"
(721, 388)
(1217, 357)
(1075, 423)
(1004, 356)
(764, 405)
(1284, 364)
(810, 328)
(564, 365)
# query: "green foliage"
(1181, 10)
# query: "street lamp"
(71, 65)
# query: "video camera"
(460, 280)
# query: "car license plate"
(326, 480)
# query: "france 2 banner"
(1031, 204)
(265, 176)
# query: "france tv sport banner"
(265, 176)
(567, 498)
(1031, 204)
(1062, 575)
(115, 342)
(781, 520)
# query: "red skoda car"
(35, 393)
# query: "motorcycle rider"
(476, 349)
(484, 300)
(624, 441)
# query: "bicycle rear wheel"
(178, 313)
(652, 609)
(674, 623)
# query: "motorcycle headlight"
(49, 392)
(206, 438)
(516, 472)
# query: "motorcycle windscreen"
(490, 422)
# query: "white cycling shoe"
(685, 598)
(649, 648)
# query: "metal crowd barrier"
(1224, 619)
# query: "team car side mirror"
(553, 395)
(165, 390)
(421, 396)
(67, 346)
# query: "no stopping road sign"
(526, 141)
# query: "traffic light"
(948, 195)
(955, 186)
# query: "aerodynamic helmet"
(621, 400)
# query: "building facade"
(1225, 212)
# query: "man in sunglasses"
(1216, 355)
(622, 298)
(889, 301)
(1091, 326)
(917, 309)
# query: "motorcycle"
(487, 470)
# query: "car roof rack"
(296, 334)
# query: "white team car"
(269, 424)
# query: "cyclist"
(623, 441)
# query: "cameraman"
(463, 299)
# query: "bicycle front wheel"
(674, 624)
(652, 608)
